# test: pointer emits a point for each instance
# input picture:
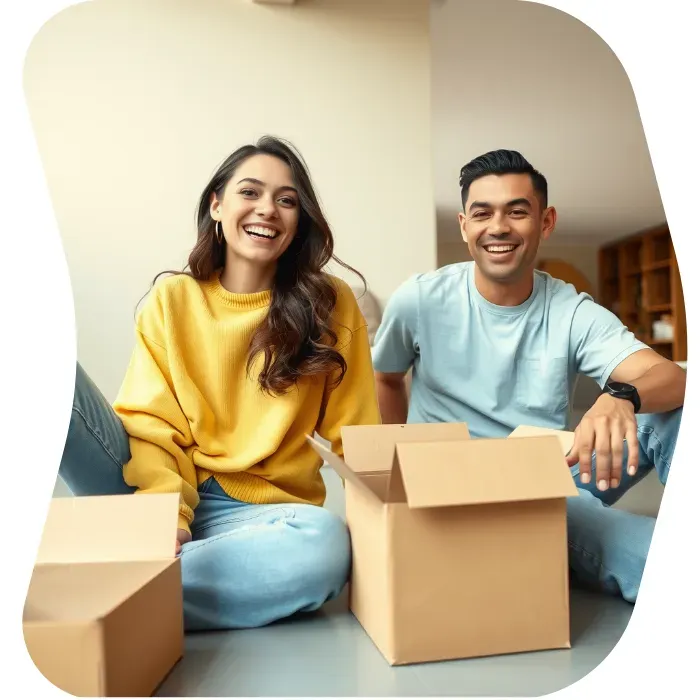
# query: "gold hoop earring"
(217, 232)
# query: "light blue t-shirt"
(496, 367)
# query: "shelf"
(649, 267)
(651, 341)
(647, 272)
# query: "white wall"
(523, 75)
(135, 102)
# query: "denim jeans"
(608, 547)
(247, 565)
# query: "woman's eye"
(288, 202)
(248, 193)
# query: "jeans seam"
(662, 457)
(92, 431)
(288, 514)
(229, 520)
(599, 563)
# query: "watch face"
(624, 391)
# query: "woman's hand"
(183, 537)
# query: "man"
(496, 344)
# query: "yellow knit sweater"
(192, 412)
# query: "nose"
(266, 208)
(498, 225)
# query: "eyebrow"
(262, 184)
(513, 202)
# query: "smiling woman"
(260, 227)
(237, 359)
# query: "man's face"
(503, 223)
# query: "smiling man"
(496, 344)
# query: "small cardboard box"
(103, 615)
(459, 546)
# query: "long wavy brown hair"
(296, 338)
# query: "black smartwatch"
(620, 390)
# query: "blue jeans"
(608, 547)
(247, 565)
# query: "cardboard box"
(103, 615)
(459, 546)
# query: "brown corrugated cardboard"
(459, 545)
(103, 614)
(565, 437)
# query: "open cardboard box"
(459, 546)
(103, 615)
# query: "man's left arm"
(607, 351)
(659, 382)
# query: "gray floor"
(329, 655)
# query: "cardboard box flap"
(340, 467)
(138, 527)
(369, 449)
(483, 471)
(565, 437)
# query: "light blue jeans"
(608, 547)
(247, 565)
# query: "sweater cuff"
(183, 524)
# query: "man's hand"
(605, 428)
(182, 538)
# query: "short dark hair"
(501, 162)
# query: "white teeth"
(261, 231)
(500, 248)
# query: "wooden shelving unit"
(640, 283)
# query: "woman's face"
(259, 210)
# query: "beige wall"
(544, 83)
(135, 102)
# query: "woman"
(235, 362)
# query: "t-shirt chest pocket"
(542, 384)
